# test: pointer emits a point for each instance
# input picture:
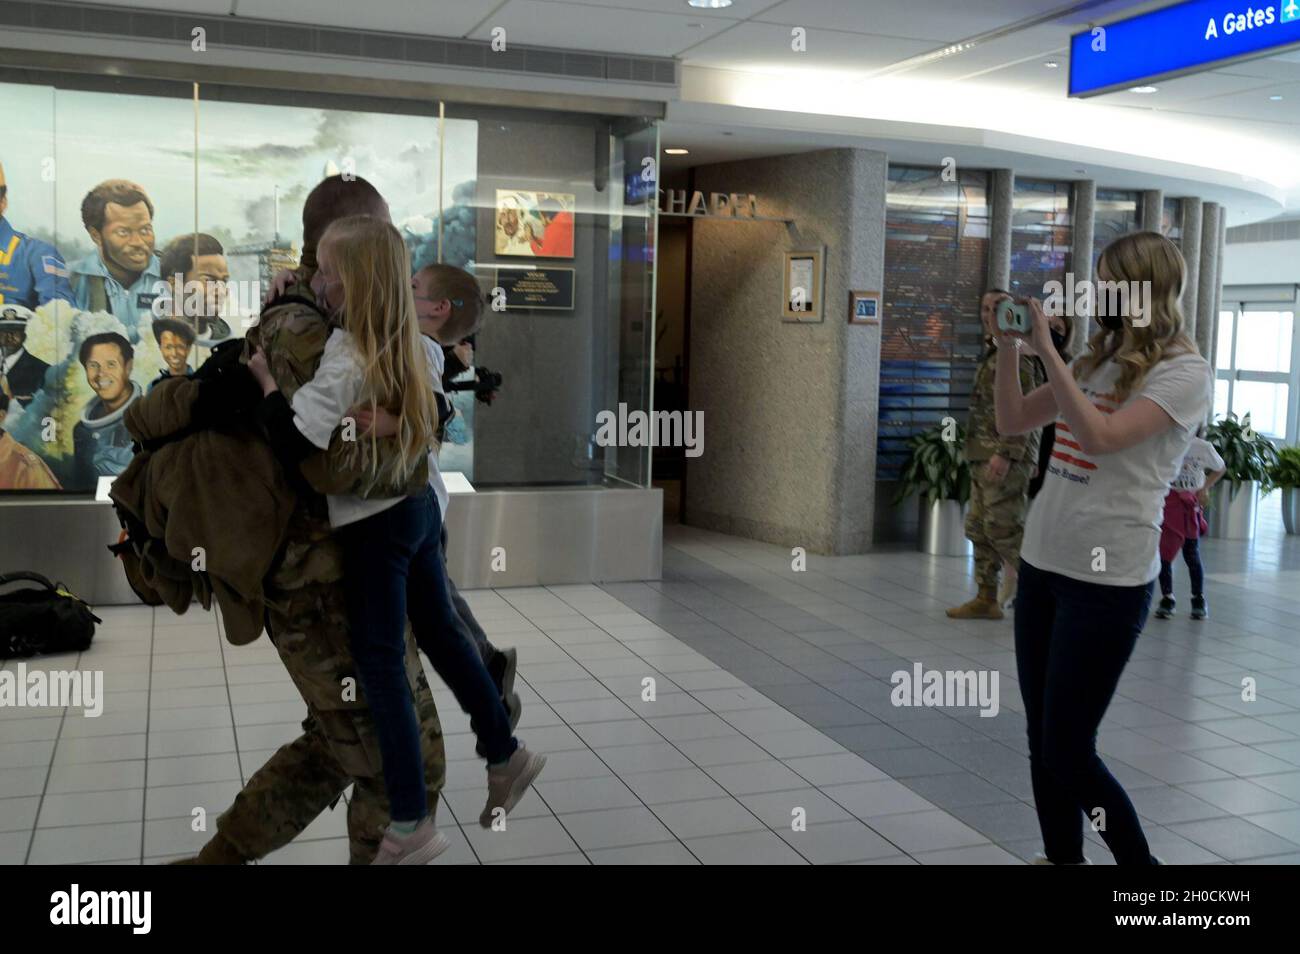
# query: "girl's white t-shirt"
(1200, 457)
(1097, 517)
(321, 404)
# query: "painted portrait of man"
(120, 277)
(101, 442)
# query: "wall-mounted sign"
(547, 288)
(864, 307)
(803, 286)
(1185, 38)
(718, 205)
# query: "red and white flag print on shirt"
(1067, 449)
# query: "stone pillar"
(1207, 295)
(1211, 353)
(1153, 211)
(1192, 215)
(1001, 197)
(1085, 201)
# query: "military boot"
(984, 606)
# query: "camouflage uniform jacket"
(982, 438)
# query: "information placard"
(529, 288)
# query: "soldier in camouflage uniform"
(307, 618)
(1001, 468)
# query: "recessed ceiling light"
(695, 25)
(1275, 97)
(1145, 89)
(709, 4)
(677, 151)
(1051, 64)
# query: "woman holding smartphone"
(1125, 412)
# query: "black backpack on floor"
(44, 620)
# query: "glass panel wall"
(936, 267)
(537, 205)
(1041, 234)
(1172, 221)
(1116, 213)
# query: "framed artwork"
(803, 286)
(864, 307)
(534, 224)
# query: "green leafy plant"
(1247, 454)
(936, 467)
(1285, 472)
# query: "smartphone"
(1013, 316)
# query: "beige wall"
(790, 410)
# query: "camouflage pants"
(995, 521)
(338, 746)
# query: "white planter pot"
(1233, 519)
(1291, 509)
(943, 529)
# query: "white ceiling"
(847, 42)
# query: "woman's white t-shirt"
(1097, 517)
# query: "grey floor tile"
(523, 838)
(1239, 796)
(909, 763)
(659, 853)
(729, 750)
(19, 814)
(627, 759)
(13, 847)
(706, 817)
(780, 811)
(753, 777)
(615, 827)
(87, 843)
(839, 843)
(873, 799)
(926, 831)
(673, 785)
(91, 808)
(975, 855)
(1233, 838)
(744, 848)
(800, 743)
(1000, 821)
(957, 789)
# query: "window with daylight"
(1253, 367)
(936, 267)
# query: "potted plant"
(936, 470)
(1285, 474)
(1248, 457)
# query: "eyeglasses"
(458, 302)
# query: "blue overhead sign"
(1184, 38)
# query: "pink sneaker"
(418, 848)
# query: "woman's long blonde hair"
(374, 268)
(1141, 257)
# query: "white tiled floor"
(772, 701)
